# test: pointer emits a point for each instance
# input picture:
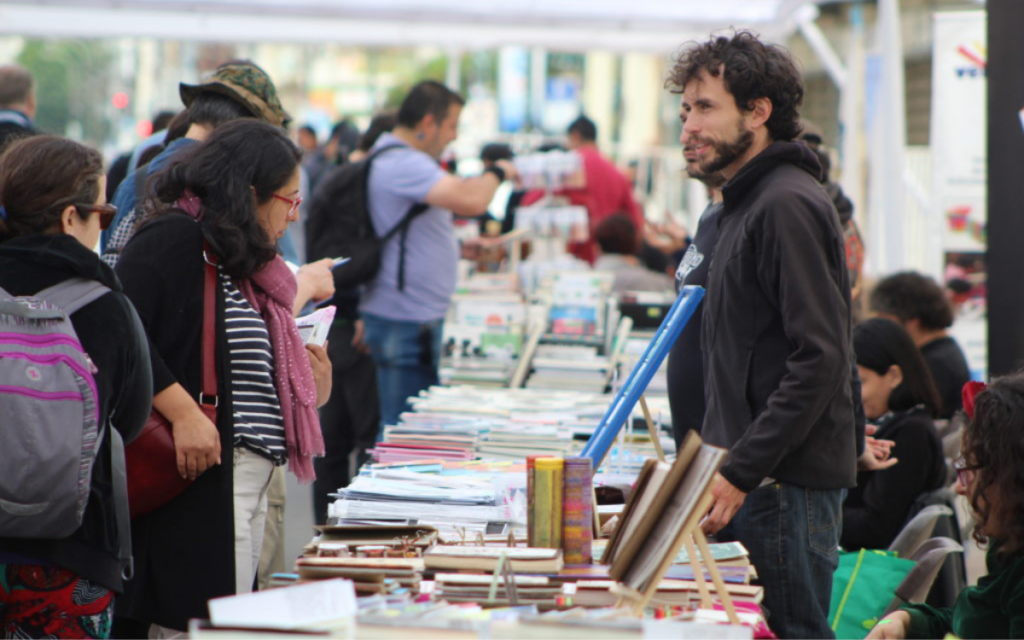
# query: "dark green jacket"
(993, 609)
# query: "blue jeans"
(406, 355)
(792, 534)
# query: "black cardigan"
(875, 510)
(111, 334)
(184, 551)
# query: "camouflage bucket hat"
(245, 83)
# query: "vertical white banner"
(958, 128)
(959, 171)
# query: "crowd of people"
(830, 425)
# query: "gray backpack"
(50, 429)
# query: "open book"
(313, 328)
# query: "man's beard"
(713, 180)
(726, 153)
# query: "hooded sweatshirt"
(776, 331)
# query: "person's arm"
(153, 272)
(135, 393)
(468, 197)
(800, 265)
(315, 282)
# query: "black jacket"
(875, 510)
(776, 333)
(184, 550)
(111, 334)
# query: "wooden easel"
(689, 535)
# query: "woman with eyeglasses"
(226, 201)
(990, 475)
(52, 208)
(900, 398)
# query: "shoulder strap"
(413, 211)
(73, 293)
(208, 388)
(119, 480)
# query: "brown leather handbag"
(150, 459)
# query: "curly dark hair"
(908, 295)
(993, 444)
(39, 177)
(239, 155)
(750, 70)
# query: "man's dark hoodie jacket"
(776, 334)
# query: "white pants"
(251, 479)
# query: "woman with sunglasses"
(899, 397)
(991, 477)
(226, 201)
(52, 208)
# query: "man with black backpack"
(405, 256)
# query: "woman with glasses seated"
(225, 202)
(900, 398)
(52, 208)
(990, 476)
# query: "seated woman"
(52, 207)
(227, 201)
(989, 474)
(900, 398)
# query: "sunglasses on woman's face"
(106, 211)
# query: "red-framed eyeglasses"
(294, 202)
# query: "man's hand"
(727, 501)
(892, 627)
(509, 168)
(358, 338)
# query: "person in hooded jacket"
(52, 207)
(776, 328)
(901, 399)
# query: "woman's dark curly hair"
(993, 444)
(239, 158)
(752, 70)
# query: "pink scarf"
(271, 292)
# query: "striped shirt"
(259, 425)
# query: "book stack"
(491, 591)
(529, 560)
(569, 367)
(457, 506)
(600, 593)
(516, 441)
(560, 506)
(404, 442)
(369, 575)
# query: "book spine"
(531, 501)
(578, 512)
(547, 483)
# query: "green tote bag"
(862, 587)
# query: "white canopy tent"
(656, 26)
